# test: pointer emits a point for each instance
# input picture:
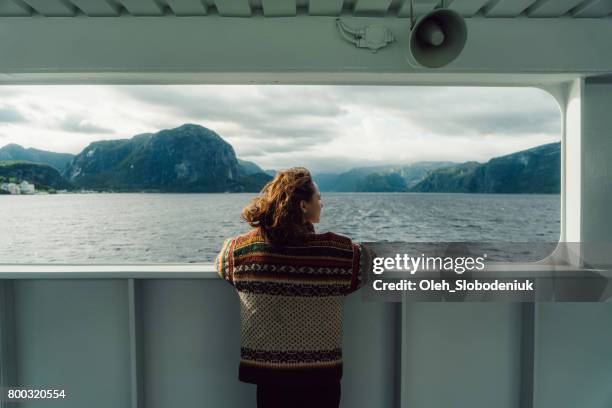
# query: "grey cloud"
(77, 124)
(8, 90)
(333, 164)
(263, 148)
(289, 120)
(446, 110)
(279, 119)
(313, 134)
(247, 109)
(8, 114)
(513, 122)
(465, 111)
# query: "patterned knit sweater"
(291, 301)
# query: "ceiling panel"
(419, 7)
(467, 8)
(277, 8)
(371, 7)
(11, 8)
(52, 8)
(233, 8)
(188, 7)
(593, 9)
(143, 7)
(98, 8)
(324, 7)
(506, 8)
(551, 8)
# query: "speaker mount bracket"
(374, 36)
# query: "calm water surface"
(169, 228)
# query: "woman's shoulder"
(322, 238)
(246, 236)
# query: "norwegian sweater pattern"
(291, 301)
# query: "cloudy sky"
(322, 127)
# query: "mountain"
(43, 176)
(14, 151)
(378, 178)
(535, 170)
(345, 181)
(249, 167)
(189, 158)
(192, 158)
(253, 176)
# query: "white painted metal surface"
(275, 8)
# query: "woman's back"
(291, 300)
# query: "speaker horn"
(436, 39)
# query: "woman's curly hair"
(276, 210)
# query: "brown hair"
(276, 210)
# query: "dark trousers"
(320, 396)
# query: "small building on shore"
(22, 188)
(11, 188)
(27, 188)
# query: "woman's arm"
(224, 261)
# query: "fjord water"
(185, 228)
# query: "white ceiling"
(273, 8)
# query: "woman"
(291, 282)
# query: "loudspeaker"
(436, 39)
